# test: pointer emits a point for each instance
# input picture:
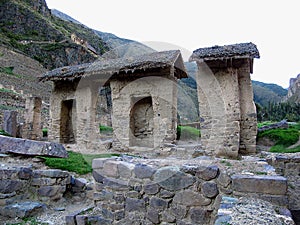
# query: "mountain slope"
(28, 27)
(265, 93)
(294, 90)
(119, 47)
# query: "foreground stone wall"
(22, 183)
(288, 165)
(130, 190)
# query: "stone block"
(52, 173)
(31, 148)
(116, 184)
(209, 189)
(125, 169)
(153, 215)
(199, 215)
(10, 123)
(43, 181)
(99, 163)
(190, 198)
(158, 203)
(98, 176)
(166, 194)
(22, 210)
(51, 191)
(151, 188)
(135, 205)
(207, 172)
(10, 186)
(143, 171)
(274, 185)
(172, 179)
(178, 211)
(25, 173)
(110, 169)
(224, 180)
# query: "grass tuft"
(187, 133)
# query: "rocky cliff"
(294, 90)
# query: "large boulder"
(31, 148)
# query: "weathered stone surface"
(110, 169)
(209, 189)
(125, 169)
(25, 173)
(151, 188)
(10, 122)
(178, 211)
(22, 210)
(51, 191)
(143, 171)
(199, 216)
(158, 203)
(9, 186)
(207, 173)
(98, 176)
(103, 196)
(133, 204)
(52, 173)
(153, 215)
(167, 216)
(99, 163)
(32, 148)
(276, 185)
(166, 194)
(80, 182)
(224, 180)
(43, 181)
(172, 179)
(190, 198)
(116, 184)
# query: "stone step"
(22, 209)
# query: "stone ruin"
(225, 95)
(144, 100)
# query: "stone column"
(32, 127)
(248, 112)
(10, 122)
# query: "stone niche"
(144, 101)
(225, 95)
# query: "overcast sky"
(190, 24)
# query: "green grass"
(2, 132)
(187, 133)
(105, 129)
(283, 149)
(265, 123)
(28, 221)
(9, 71)
(285, 137)
(76, 162)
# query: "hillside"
(119, 47)
(29, 28)
(265, 93)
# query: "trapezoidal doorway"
(141, 123)
(67, 121)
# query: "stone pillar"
(248, 112)
(218, 96)
(10, 122)
(32, 127)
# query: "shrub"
(282, 149)
(2, 132)
(105, 129)
(187, 133)
(284, 137)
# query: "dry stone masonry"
(225, 97)
(144, 95)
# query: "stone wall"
(22, 183)
(156, 192)
(127, 119)
(129, 190)
(288, 165)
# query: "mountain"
(28, 27)
(294, 90)
(265, 93)
(119, 47)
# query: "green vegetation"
(45, 132)
(2, 132)
(279, 111)
(9, 71)
(76, 162)
(105, 129)
(28, 221)
(187, 133)
(283, 138)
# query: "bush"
(2, 132)
(284, 137)
(105, 129)
(282, 149)
(187, 133)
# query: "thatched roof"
(121, 66)
(242, 50)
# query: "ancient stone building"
(144, 100)
(225, 95)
